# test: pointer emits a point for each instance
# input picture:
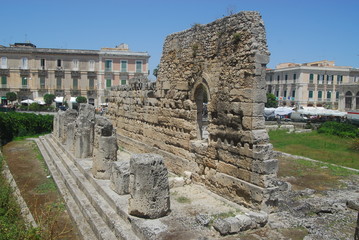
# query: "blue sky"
(297, 30)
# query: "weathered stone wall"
(223, 63)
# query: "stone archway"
(201, 97)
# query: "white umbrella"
(28, 101)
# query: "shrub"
(49, 98)
(16, 124)
(339, 129)
(81, 99)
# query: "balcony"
(42, 73)
(75, 74)
(4, 72)
(92, 93)
(24, 72)
(75, 92)
(91, 74)
(59, 73)
(59, 92)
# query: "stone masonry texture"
(221, 64)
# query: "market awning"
(28, 101)
(59, 99)
(40, 100)
(3, 98)
(73, 100)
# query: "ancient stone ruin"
(144, 177)
(204, 112)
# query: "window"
(24, 64)
(339, 79)
(4, 62)
(75, 64)
(59, 83)
(92, 65)
(42, 82)
(293, 94)
(108, 65)
(311, 78)
(348, 100)
(320, 93)
(277, 93)
(123, 82)
(75, 83)
(108, 83)
(329, 95)
(286, 78)
(294, 77)
(123, 66)
(320, 78)
(91, 83)
(270, 78)
(24, 81)
(138, 66)
(3, 80)
(278, 78)
(42, 64)
(337, 96)
(285, 93)
(59, 63)
(310, 94)
(330, 79)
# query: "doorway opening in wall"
(201, 98)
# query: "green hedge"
(339, 129)
(14, 124)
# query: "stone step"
(117, 202)
(73, 209)
(100, 214)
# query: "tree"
(49, 98)
(81, 99)
(271, 101)
(155, 71)
(11, 96)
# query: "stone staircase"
(98, 212)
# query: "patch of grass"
(326, 148)
(46, 187)
(30, 136)
(182, 199)
(303, 174)
(12, 226)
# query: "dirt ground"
(39, 190)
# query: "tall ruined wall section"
(223, 63)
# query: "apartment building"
(310, 84)
(32, 72)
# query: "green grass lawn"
(322, 147)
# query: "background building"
(32, 72)
(310, 84)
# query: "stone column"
(104, 148)
(149, 188)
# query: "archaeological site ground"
(188, 156)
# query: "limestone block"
(243, 223)
(176, 182)
(148, 186)
(120, 177)
(259, 219)
(222, 226)
(104, 156)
